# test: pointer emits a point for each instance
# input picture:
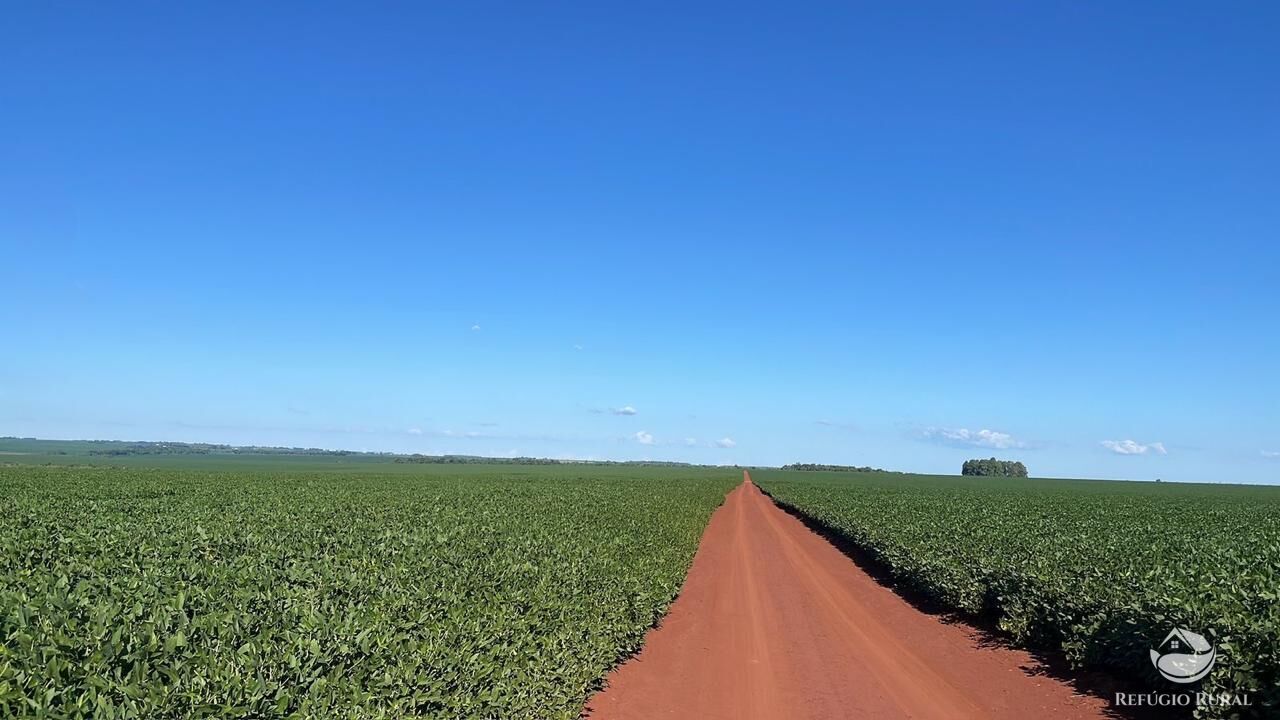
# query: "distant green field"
(179, 456)
(302, 588)
(224, 463)
(1102, 570)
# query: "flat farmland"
(363, 587)
(423, 591)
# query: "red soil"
(775, 622)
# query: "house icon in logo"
(1184, 656)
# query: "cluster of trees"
(994, 468)
(837, 468)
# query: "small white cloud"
(624, 410)
(1132, 447)
(726, 442)
(643, 437)
(975, 438)
(577, 347)
(1270, 454)
(415, 431)
(471, 434)
(690, 442)
(475, 327)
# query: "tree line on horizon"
(832, 468)
(992, 467)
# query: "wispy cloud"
(624, 410)
(690, 442)
(643, 437)
(1270, 454)
(726, 442)
(475, 327)
(973, 438)
(577, 347)
(836, 424)
(1132, 447)
(414, 431)
(468, 434)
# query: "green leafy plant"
(484, 593)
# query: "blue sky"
(891, 234)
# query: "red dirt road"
(776, 623)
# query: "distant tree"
(992, 467)
(833, 468)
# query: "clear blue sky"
(897, 234)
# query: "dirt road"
(774, 622)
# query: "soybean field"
(476, 591)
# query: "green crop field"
(1101, 570)
(315, 589)
(310, 586)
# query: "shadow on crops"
(1045, 662)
